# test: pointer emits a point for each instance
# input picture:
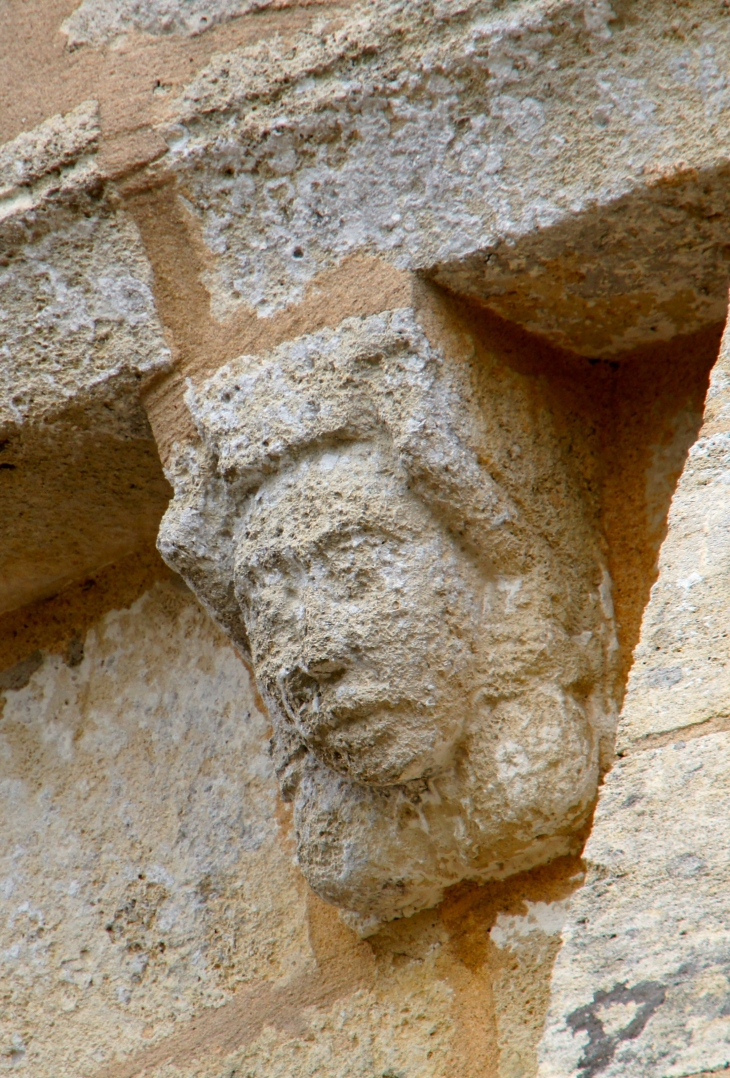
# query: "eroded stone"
(680, 675)
(530, 156)
(95, 22)
(436, 658)
(80, 480)
(641, 983)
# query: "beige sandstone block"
(96, 22)
(557, 161)
(80, 482)
(681, 671)
(641, 984)
(143, 876)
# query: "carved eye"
(327, 670)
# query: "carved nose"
(300, 686)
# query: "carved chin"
(388, 851)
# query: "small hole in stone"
(298, 252)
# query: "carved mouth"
(358, 730)
(321, 701)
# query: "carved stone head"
(401, 542)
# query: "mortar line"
(717, 724)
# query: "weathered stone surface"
(641, 984)
(55, 158)
(556, 160)
(126, 837)
(219, 195)
(76, 303)
(78, 312)
(439, 115)
(80, 482)
(152, 920)
(527, 942)
(681, 672)
(95, 22)
(377, 520)
(642, 981)
(76, 493)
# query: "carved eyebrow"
(276, 546)
(286, 468)
(280, 457)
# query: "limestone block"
(556, 160)
(641, 983)
(140, 853)
(77, 313)
(681, 671)
(55, 157)
(525, 942)
(95, 22)
(152, 919)
(80, 481)
(393, 533)
(640, 986)
(76, 302)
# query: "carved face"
(362, 614)
(404, 545)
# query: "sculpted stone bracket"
(373, 519)
(414, 303)
(394, 533)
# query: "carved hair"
(379, 380)
(368, 378)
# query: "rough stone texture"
(394, 532)
(77, 305)
(123, 843)
(528, 942)
(681, 673)
(78, 312)
(174, 197)
(561, 161)
(153, 920)
(540, 157)
(52, 160)
(95, 22)
(80, 483)
(641, 984)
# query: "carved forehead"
(375, 377)
(331, 387)
(356, 489)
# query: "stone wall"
(642, 973)
(154, 920)
(248, 244)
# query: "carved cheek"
(273, 603)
